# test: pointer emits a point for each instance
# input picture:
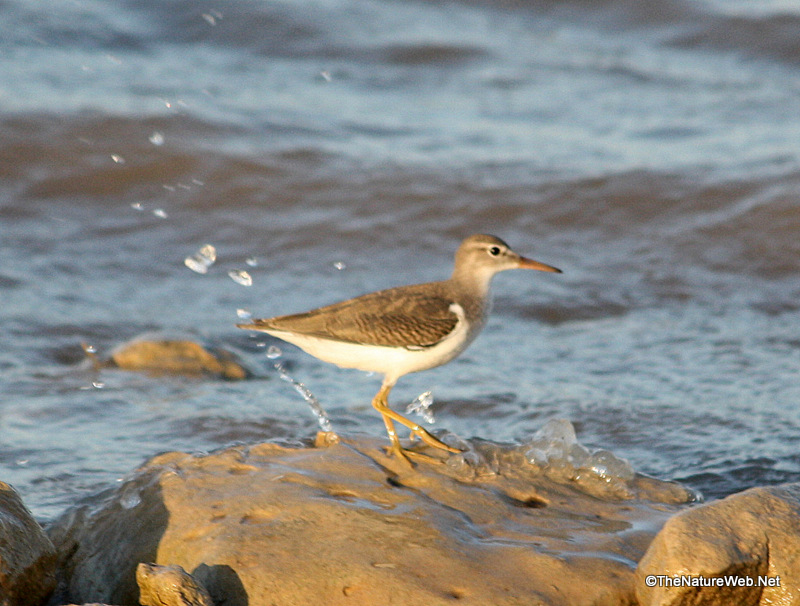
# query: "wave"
(625, 240)
(336, 29)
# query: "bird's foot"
(400, 453)
(406, 456)
(432, 440)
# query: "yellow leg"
(381, 403)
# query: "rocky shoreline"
(339, 522)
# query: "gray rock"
(753, 536)
(27, 557)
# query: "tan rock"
(176, 356)
(169, 586)
(27, 557)
(345, 524)
(746, 538)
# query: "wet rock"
(27, 557)
(100, 544)
(176, 356)
(752, 536)
(345, 524)
(169, 586)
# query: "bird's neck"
(473, 290)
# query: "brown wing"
(408, 316)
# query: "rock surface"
(752, 534)
(169, 586)
(27, 557)
(345, 524)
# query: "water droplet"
(240, 276)
(156, 138)
(243, 314)
(273, 353)
(421, 406)
(207, 251)
(137, 206)
(340, 265)
(130, 498)
(326, 75)
(22, 462)
(202, 259)
(90, 348)
(193, 264)
(98, 384)
(160, 213)
(252, 262)
(212, 16)
(118, 159)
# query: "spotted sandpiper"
(405, 329)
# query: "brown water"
(649, 149)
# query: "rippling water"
(329, 148)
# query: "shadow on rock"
(226, 587)
(101, 541)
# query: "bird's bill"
(531, 264)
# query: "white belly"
(392, 362)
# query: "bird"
(405, 329)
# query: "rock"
(346, 524)
(27, 557)
(123, 526)
(176, 356)
(169, 586)
(752, 534)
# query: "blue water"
(649, 149)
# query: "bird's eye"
(494, 251)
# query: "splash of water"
(556, 450)
(274, 354)
(422, 406)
